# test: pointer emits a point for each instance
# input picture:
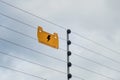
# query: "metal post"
(69, 64)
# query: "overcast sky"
(97, 20)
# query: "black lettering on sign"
(48, 37)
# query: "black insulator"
(69, 75)
(69, 64)
(69, 53)
(68, 31)
(68, 42)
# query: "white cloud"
(96, 19)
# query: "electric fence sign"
(52, 40)
(47, 38)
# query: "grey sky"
(98, 20)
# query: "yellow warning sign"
(47, 38)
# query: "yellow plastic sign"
(47, 38)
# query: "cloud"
(97, 20)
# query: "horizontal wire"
(23, 23)
(38, 53)
(32, 14)
(95, 72)
(36, 64)
(66, 62)
(64, 39)
(90, 60)
(97, 53)
(17, 20)
(22, 72)
(17, 32)
(62, 27)
(62, 49)
(31, 62)
(38, 16)
(117, 52)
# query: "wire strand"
(17, 32)
(37, 64)
(62, 27)
(38, 52)
(97, 63)
(22, 72)
(23, 23)
(63, 50)
(65, 62)
(17, 20)
(97, 53)
(97, 43)
(32, 14)
(42, 19)
(31, 62)
(64, 40)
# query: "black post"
(69, 64)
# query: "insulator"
(69, 64)
(69, 53)
(69, 75)
(68, 31)
(68, 42)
